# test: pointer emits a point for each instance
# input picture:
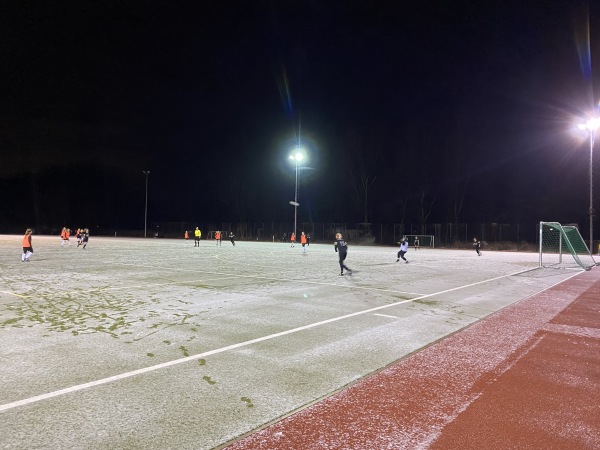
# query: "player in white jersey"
(403, 249)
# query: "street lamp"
(146, 172)
(591, 126)
(297, 156)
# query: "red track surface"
(527, 377)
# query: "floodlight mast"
(296, 157)
(591, 126)
(591, 212)
(146, 172)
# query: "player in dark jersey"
(477, 245)
(341, 247)
(85, 237)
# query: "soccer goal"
(425, 240)
(563, 247)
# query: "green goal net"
(422, 240)
(563, 247)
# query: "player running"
(64, 235)
(477, 245)
(341, 247)
(85, 237)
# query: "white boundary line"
(125, 375)
(386, 315)
(15, 294)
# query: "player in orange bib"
(303, 242)
(64, 235)
(293, 239)
(218, 237)
(27, 248)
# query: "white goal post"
(425, 240)
(562, 246)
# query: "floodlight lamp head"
(297, 156)
(590, 125)
(593, 123)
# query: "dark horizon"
(459, 110)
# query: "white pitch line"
(80, 387)
(15, 294)
(386, 315)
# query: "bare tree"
(426, 202)
(460, 181)
(364, 179)
(403, 202)
(460, 161)
(364, 169)
(233, 193)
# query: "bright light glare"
(591, 124)
(298, 156)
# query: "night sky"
(459, 110)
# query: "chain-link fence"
(444, 235)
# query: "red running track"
(526, 377)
